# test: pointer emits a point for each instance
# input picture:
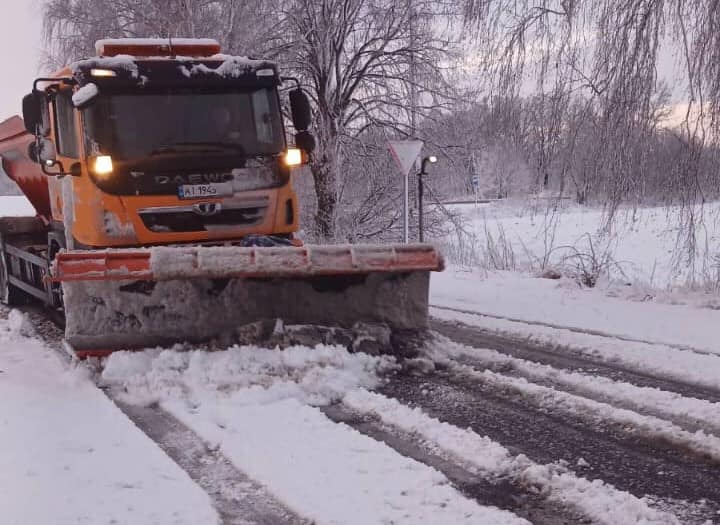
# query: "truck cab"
(157, 142)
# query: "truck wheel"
(56, 290)
(9, 295)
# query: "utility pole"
(413, 105)
(432, 159)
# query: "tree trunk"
(323, 172)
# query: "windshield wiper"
(179, 147)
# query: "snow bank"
(664, 361)
(563, 304)
(68, 455)
(252, 403)
(599, 501)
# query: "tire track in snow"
(599, 502)
(501, 493)
(567, 358)
(622, 459)
(688, 413)
(238, 499)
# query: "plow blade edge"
(130, 298)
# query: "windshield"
(134, 126)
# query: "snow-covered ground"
(563, 303)
(259, 406)
(67, 453)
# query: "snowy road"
(485, 427)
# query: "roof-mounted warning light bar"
(151, 47)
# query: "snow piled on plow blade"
(136, 298)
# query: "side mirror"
(305, 141)
(32, 112)
(43, 152)
(300, 109)
(32, 152)
(47, 153)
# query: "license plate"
(200, 191)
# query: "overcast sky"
(20, 52)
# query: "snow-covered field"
(615, 419)
(643, 246)
(642, 305)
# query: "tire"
(54, 246)
(9, 295)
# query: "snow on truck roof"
(127, 53)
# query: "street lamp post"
(432, 159)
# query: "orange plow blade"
(131, 298)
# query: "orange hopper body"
(14, 142)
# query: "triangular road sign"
(405, 153)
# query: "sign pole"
(406, 208)
(406, 153)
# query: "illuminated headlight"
(293, 157)
(95, 72)
(103, 165)
(267, 72)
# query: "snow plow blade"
(132, 298)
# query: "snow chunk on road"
(247, 374)
(69, 455)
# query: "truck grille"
(197, 218)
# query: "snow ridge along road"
(608, 408)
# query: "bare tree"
(608, 53)
(356, 58)
(71, 27)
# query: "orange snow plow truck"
(162, 182)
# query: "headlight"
(103, 165)
(97, 72)
(293, 157)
